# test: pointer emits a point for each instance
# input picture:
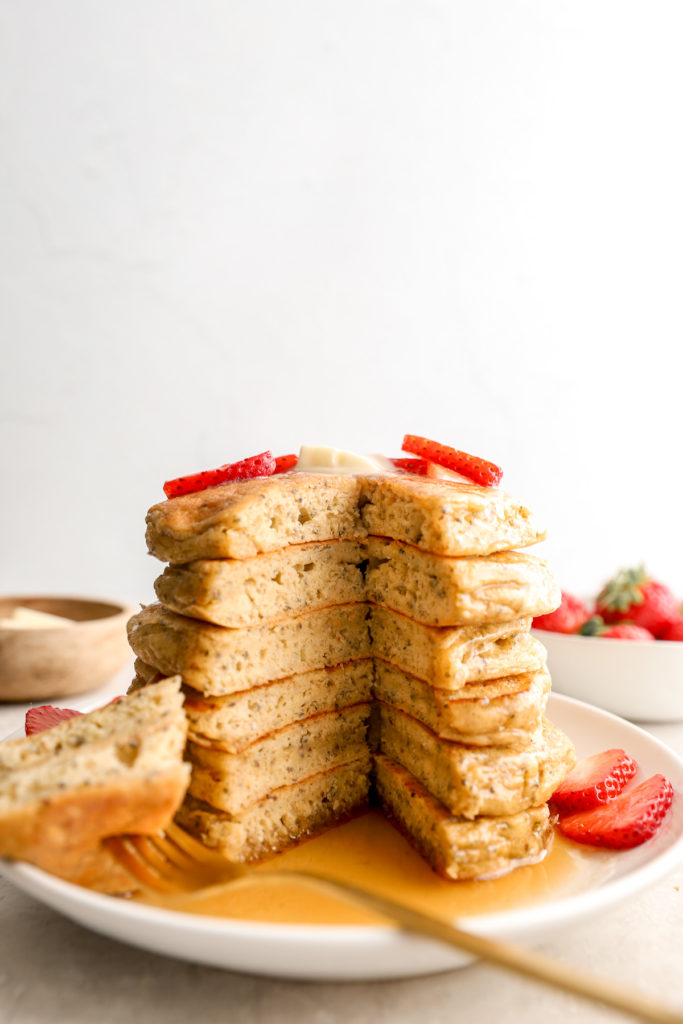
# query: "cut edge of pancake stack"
(302, 608)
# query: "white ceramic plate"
(601, 880)
(638, 679)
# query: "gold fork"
(178, 870)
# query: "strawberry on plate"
(45, 716)
(635, 597)
(256, 465)
(568, 618)
(594, 780)
(481, 472)
(628, 820)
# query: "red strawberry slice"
(45, 716)
(478, 470)
(595, 780)
(285, 462)
(419, 466)
(255, 465)
(627, 821)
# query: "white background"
(247, 224)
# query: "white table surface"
(52, 970)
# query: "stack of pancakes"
(298, 607)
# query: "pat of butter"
(30, 618)
(322, 459)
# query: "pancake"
(116, 770)
(286, 815)
(217, 661)
(238, 520)
(473, 781)
(450, 657)
(231, 782)
(238, 719)
(266, 588)
(431, 589)
(502, 712)
(458, 848)
(442, 591)
(158, 712)
(445, 517)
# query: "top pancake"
(241, 519)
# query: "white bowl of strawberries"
(623, 651)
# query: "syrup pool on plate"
(371, 853)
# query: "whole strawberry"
(595, 626)
(634, 596)
(627, 631)
(674, 631)
(568, 618)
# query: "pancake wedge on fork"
(115, 770)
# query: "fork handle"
(516, 958)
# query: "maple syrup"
(370, 852)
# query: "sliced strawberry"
(285, 462)
(419, 466)
(595, 780)
(478, 470)
(568, 618)
(45, 716)
(255, 465)
(629, 820)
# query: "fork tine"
(158, 862)
(193, 848)
(167, 848)
(126, 851)
(154, 854)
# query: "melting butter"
(323, 459)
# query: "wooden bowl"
(41, 663)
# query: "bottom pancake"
(458, 848)
(285, 816)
